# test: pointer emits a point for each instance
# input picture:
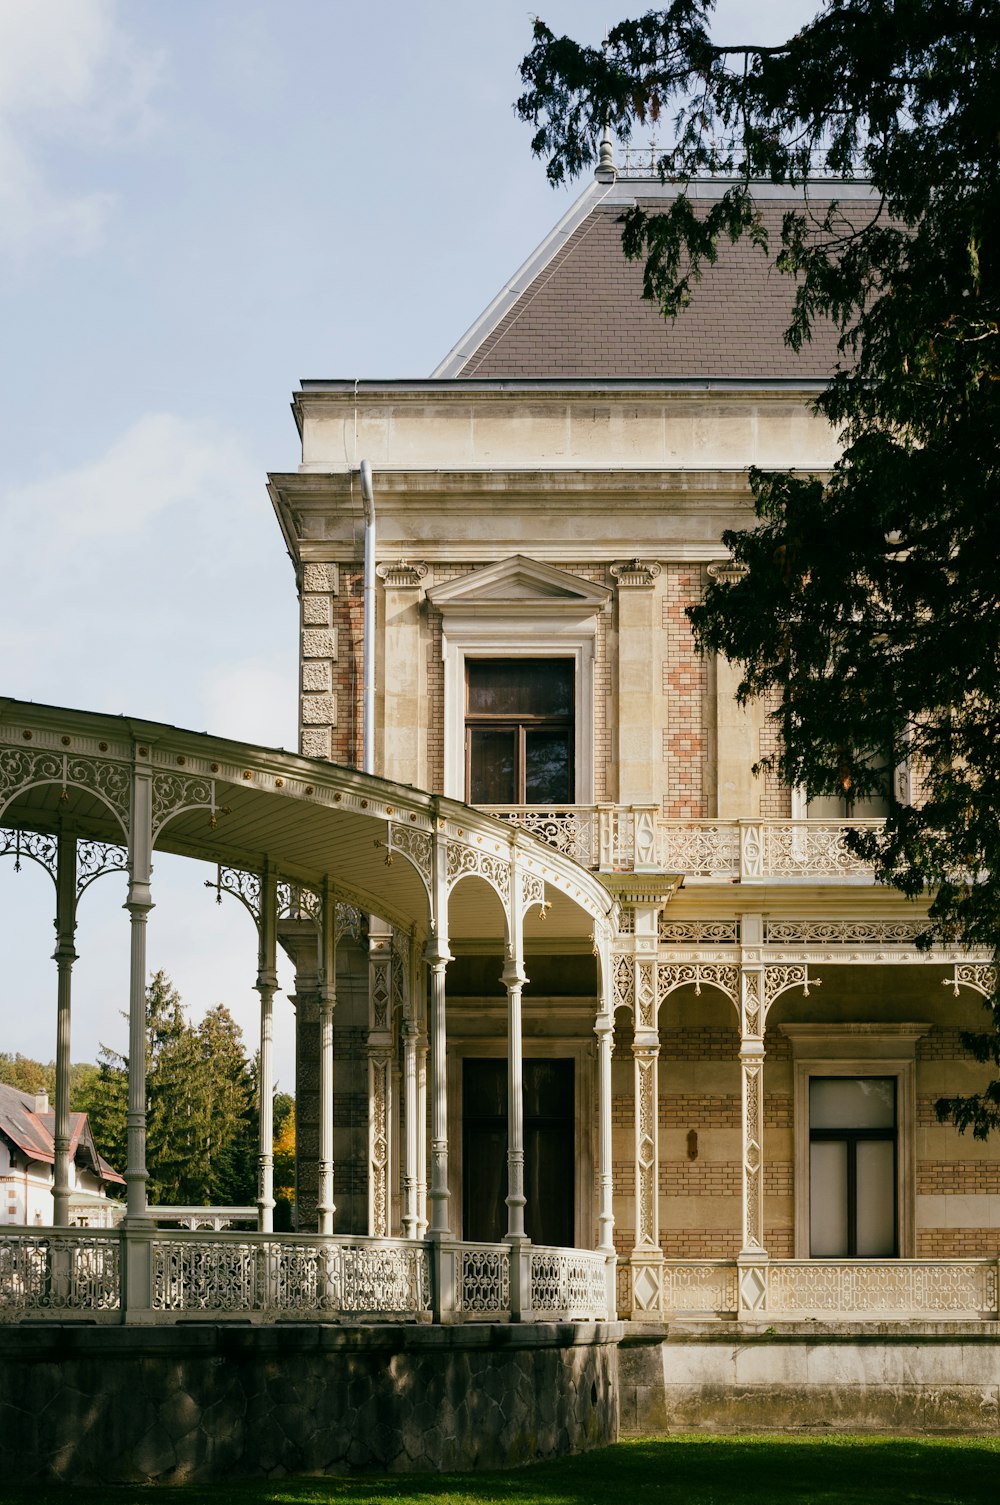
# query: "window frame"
(857, 1050)
(520, 723)
(851, 1138)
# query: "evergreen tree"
(868, 610)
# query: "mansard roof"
(575, 309)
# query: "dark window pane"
(492, 765)
(549, 1165)
(547, 767)
(484, 1088)
(520, 687)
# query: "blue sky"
(201, 203)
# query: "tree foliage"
(30, 1075)
(869, 610)
(201, 1116)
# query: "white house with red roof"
(27, 1162)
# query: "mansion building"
(730, 1075)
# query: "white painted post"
(138, 904)
(411, 1216)
(64, 956)
(267, 983)
(328, 998)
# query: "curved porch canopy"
(131, 787)
(392, 850)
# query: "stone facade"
(170, 1406)
(812, 1379)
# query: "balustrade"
(176, 1275)
(626, 838)
(835, 1290)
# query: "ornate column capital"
(635, 574)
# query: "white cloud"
(165, 588)
(161, 461)
(68, 73)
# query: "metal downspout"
(368, 650)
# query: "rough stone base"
(879, 1377)
(167, 1405)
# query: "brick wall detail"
(685, 687)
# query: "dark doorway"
(549, 1160)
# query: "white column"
(752, 1092)
(138, 904)
(647, 1257)
(328, 998)
(438, 1197)
(380, 1097)
(64, 956)
(605, 1033)
(267, 983)
(421, 1052)
(514, 980)
(410, 1150)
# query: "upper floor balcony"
(639, 839)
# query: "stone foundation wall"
(944, 1378)
(169, 1405)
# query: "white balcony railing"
(637, 838)
(849, 1290)
(161, 1276)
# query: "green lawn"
(688, 1470)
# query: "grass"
(675, 1470)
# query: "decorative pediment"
(519, 585)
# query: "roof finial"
(606, 172)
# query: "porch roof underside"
(314, 821)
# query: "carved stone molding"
(727, 571)
(635, 574)
(401, 575)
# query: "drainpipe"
(368, 716)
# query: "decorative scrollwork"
(483, 1280)
(33, 845)
(624, 982)
(895, 1287)
(95, 859)
(241, 885)
(297, 901)
(570, 1284)
(722, 975)
(416, 846)
(699, 1287)
(753, 1086)
(469, 862)
(978, 975)
(174, 794)
(699, 932)
(647, 1233)
(532, 892)
(45, 1274)
(21, 770)
(379, 1131)
(841, 932)
(566, 828)
(349, 921)
(706, 849)
(778, 980)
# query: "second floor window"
(519, 731)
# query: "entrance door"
(549, 1162)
